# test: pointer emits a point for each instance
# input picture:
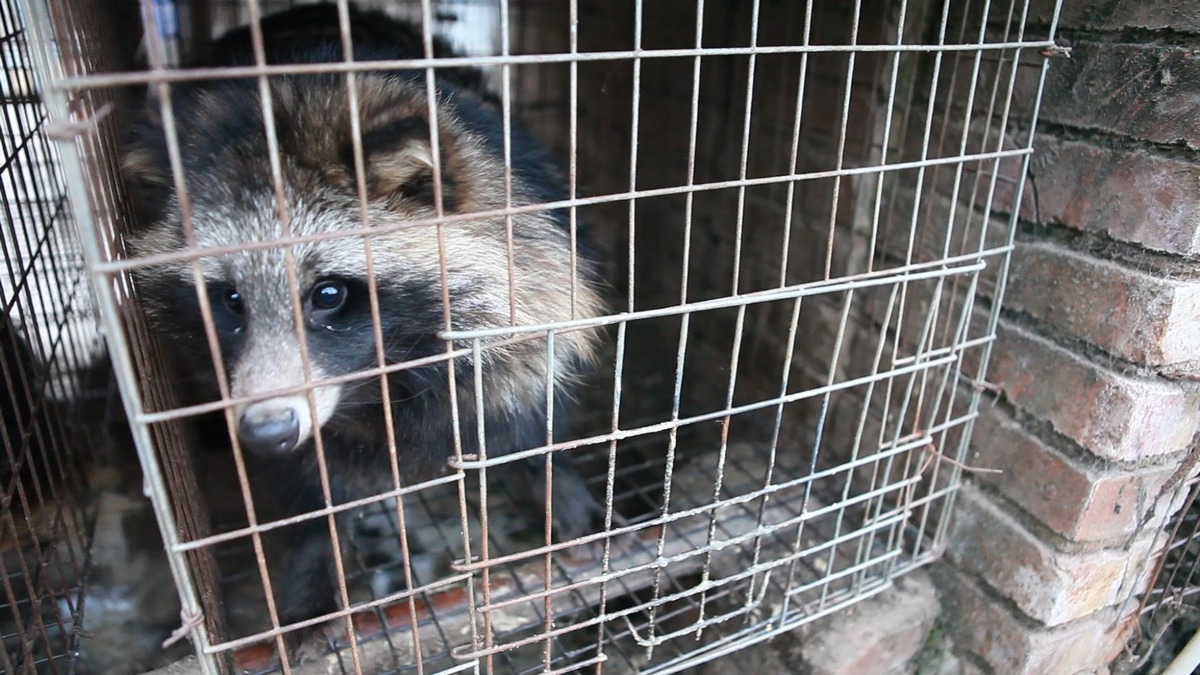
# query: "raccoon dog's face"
(233, 202)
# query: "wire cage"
(790, 206)
(1167, 613)
(48, 339)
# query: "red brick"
(1077, 502)
(1128, 195)
(1118, 14)
(1050, 586)
(1137, 316)
(1147, 92)
(1115, 416)
(1011, 644)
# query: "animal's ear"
(146, 168)
(142, 166)
(399, 162)
(144, 147)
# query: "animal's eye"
(233, 301)
(328, 296)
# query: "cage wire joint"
(189, 621)
(1055, 51)
(653, 641)
(65, 131)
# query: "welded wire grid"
(47, 339)
(797, 205)
(1168, 613)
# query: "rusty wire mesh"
(48, 339)
(796, 209)
(1168, 613)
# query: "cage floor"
(762, 561)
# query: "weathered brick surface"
(1115, 416)
(953, 664)
(1129, 195)
(1051, 586)
(1009, 644)
(1143, 91)
(1118, 14)
(1080, 503)
(878, 636)
(1028, 601)
(1135, 315)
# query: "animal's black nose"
(272, 434)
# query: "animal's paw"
(576, 512)
(308, 645)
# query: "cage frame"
(102, 268)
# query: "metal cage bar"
(789, 207)
(47, 340)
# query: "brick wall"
(1096, 404)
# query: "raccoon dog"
(233, 200)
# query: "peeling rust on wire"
(1056, 51)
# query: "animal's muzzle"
(269, 430)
